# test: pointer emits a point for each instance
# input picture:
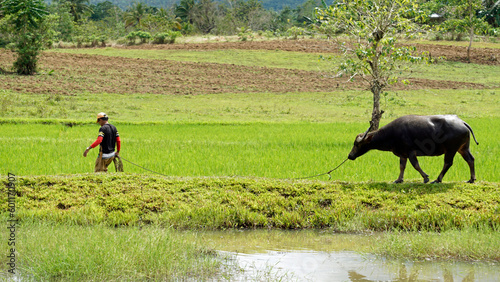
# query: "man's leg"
(98, 165)
(105, 163)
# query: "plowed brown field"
(487, 56)
(74, 74)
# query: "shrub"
(244, 33)
(166, 37)
(144, 36)
(160, 38)
(102, 39)
(132, 36)
(295, 31)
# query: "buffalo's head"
(361, 145)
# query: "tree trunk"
(376, 85)
(471, 36)
(376, 89)
(471, 32)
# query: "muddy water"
(271, 255)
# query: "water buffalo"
(410, 136)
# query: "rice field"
(289, 150)
(258, 135)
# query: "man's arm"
(118, 145)
(95, 144)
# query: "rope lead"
(326, 173)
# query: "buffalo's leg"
(470, 161)
(402, 166)
(414, 163)
(448, 162)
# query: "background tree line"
(27, 26)
(82, 22)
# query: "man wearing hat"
(107, 139)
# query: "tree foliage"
(463, 19)
(87, 24)
(204, 15)
(77, 7)
(27, 19)
(184, 10)
(134, 15)
(371, 52)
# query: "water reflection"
(351, 266)
(265, 255)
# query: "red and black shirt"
(109, 135)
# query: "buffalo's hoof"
(398, 181)
(436, 181)
(426, 179)
(471, 180)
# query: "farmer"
(108, 138)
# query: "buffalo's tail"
(470, 129)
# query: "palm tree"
(184, 10)
(77, 7)
(134, 14)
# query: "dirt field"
(68, 74)
(452, 53)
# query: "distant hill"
(276, 5)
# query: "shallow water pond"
(276, 255)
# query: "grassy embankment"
(250, 135)
(213, 203)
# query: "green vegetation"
(222, 202)
(70, 208)
(284, 150)
(25, 21)
(99, 23)
(61, 252)
(341, 106)
(232, 159)
(467, 244)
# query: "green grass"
(282, 150)
(221, 202)
(454, 71)
(55, 252)
(339, 106)
(467, 244)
